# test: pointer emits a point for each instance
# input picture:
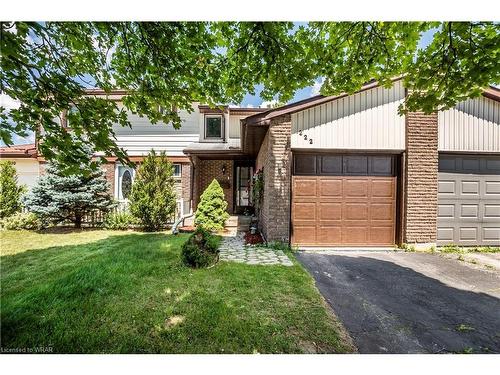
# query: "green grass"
(123, 292)
(451, 248)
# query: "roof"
(492, 93)
(19, 151)
(264, 118)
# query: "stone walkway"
(233, 249)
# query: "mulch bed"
(253, 239)
(186, 229)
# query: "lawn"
(125, 292)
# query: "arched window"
(126, 184)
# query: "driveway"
(393, 302)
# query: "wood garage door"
(343, 200)
(469, 200)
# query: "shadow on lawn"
(78, 285)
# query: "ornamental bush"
(10, 190)
(201, 249)
(153, 197)
(59, 196)
(211, 212)
(22, 220)
(119, 221)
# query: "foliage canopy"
(47, 66)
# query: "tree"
(10, 190)
(211, 212)
(168, 65)
(153, 196)
(60, 197)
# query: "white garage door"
(469, 200)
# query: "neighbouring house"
(341, 171)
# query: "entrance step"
(240, 222)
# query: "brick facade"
(206, 171)
(183, 183)
(420, 175)
(109, 168)
(275, 156)
(186, 181)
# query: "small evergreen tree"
(10, 190)
(211, 212)
(153, 196)
(58, 196)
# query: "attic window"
(213, 126)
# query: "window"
(177, 170)
(213, 127)
(125, 180)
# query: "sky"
(248, 101)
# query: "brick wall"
(207, 170)
(275, 157)
(186, 181)
(420, 178)
(109, 168)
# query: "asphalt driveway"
(410, 302)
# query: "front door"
(243, 172)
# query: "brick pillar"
(109, 168)
(421, 180)
(277, 171)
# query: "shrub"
(201, 249)
(153, 196)
(22, 220)
(211, 212)
(119, 221)
(58, 196)
(10, 191)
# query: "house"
(343, 170)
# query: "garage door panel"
(356, 211)
(468, 234)
(330, 210)
(446, 187)
(445, 234)
(446, 210)
(382, 211)
(469, 200)
(492, 188)
(492, 211)
(383, 188)
(304, 234)
(303, 187)
(491, 234)
(330, 187)
(355, 188)
(470, 187)
(355, 235)
(304, 211)
(469, 211)
(328, 234)
(380, 235)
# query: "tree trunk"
(78, 220)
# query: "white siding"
(137, 145)
(234, 126)
(142, 125)
(366, 121)
(27, 171)
(473, 125)
(144, 136)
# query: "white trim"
(179, 176)
(222, 130)
(118, 180)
